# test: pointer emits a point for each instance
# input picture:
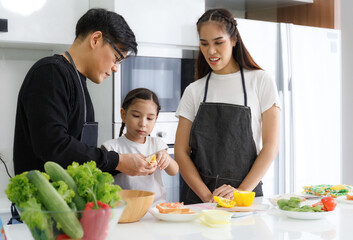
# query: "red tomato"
(329, 203)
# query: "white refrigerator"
(305, 63)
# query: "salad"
(327, 189)
(79, 187)
(293, 204)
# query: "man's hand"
(135, 165)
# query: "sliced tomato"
(320, 203)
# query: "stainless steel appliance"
(164, 70)
(167, 71)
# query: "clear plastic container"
(216, 218)
(95, 223)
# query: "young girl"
(139, 113)
(228, 132)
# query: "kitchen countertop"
(260, 225)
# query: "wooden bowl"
(137, 204)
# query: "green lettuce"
(63, 189)
(93, 184)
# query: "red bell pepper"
(95, 222)
(62, 237)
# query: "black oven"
(165, 70)
(167, 76)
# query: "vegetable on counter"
(93, 184)
(58, 173)
(62, 191)
(89, 220)
(53, 201)
(244, 198)
(224, 202)
(293, 204)
(328, 190)
(326, 204)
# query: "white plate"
(176, 217)
(274, 199)
(253, 208)
(305, 215)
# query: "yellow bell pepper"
(224, 202)
(244, 198)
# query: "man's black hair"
(112, 25)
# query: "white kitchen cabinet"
(171, 22)
(53, 23)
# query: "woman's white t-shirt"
(261, 93)
(152, 183)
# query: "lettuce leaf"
(63, 189)
(93, 184)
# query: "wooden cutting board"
(252, 208)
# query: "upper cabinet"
(171, 22)
(41, 22)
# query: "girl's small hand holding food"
(163, 159)
(167, 163)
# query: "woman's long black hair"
(241, 55)
(138, 93)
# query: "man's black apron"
(222, 145)
(89, 133)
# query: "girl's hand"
(163, 159)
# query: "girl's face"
(216, 46)
(139, 119)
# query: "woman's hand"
(163, 159)
(225, 191)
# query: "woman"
(228, 131)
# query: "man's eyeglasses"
(118, 60)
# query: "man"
(55, 116)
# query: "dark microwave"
(166, 75)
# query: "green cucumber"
(57, 173)
(52, 201)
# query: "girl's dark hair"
(138, 93)
(225, 19)
(112, 25)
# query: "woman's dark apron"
(89, 133)
(222, 145)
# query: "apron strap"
(79, 80)
(206, 87)
(244, 89)
(242, 81)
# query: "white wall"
(14, 64)
(347, 91)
